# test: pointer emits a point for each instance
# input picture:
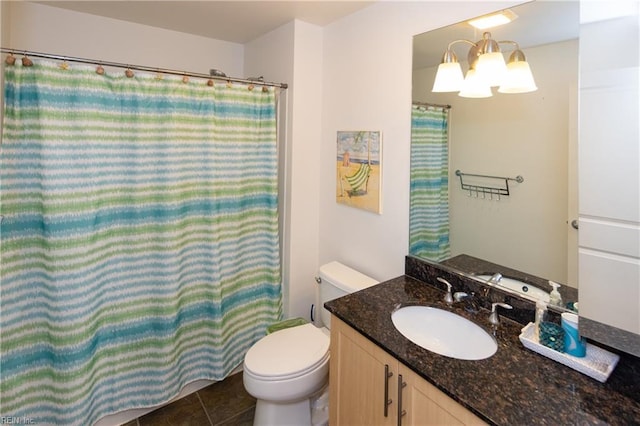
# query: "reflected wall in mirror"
(533, 135)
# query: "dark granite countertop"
(515, 386)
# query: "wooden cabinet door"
(362, 377)
(358, 378)
(424, 404)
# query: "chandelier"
(487, 69)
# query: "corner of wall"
(290, 54)
(304, 169)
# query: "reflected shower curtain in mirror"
(429, 194)
(139, 237)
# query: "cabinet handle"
(387, 400)
(401, 412)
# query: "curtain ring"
(250, 87)
(26, 62)
(99, 70)
(64, 65)
(229, 85)
(10, 59)
(129, 73)
(210, 83)
(185, 78)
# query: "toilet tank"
(337, 280)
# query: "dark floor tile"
(226, 399)
(186, 411)
(243, 419)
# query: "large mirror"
(528, 135)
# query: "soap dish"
(598, 363)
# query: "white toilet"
(285, 369)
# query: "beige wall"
(509, 135)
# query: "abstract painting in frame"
(359, 169)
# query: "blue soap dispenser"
(573, 343)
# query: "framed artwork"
(358, 169)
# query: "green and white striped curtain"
(429, 194)
(139, 237)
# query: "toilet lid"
(288, 353)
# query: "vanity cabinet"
(370, 387)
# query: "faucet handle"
(493, 317)
(460, 295)
(495, 278)
(447, 297)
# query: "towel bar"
(490, 189)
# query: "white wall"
(290, 54)
(4, 40)
(271, 56)
(52, 30)
(4, 23)
(508, 135)
(367, 86)
(304, 169)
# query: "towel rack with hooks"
(486, 185)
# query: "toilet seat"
(288, 353)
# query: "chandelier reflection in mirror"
(487, 69)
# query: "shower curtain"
(429, 194)
(139, 237)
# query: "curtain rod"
(431, 105)
(212, 76)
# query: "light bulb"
(518, 78)
(474, 87)
(449, 77)
(491, 68)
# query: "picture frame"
(359, 169)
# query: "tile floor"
(224, 403)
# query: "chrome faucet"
(447, 297)
(493, 317)
(495, 278)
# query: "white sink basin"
(444, 332)
(529, 291)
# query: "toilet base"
(269, 413)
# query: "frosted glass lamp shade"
(491, 68)
(474, 87)
(518, 79)
(448, 78)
